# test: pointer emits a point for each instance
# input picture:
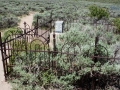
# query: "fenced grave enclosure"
(35, 42)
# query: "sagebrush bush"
(31, 69)
(116, 22)
(98, 12)
(11, 31)
(8, 21)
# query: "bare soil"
(28, 19)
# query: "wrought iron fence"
(35, 41)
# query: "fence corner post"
(54, 44)
(96, 43)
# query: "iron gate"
(25, 38)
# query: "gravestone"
(58, 26)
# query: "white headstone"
(58, 26)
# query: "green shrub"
(116, 22)
(10, 31)
(20, 46)
(8, 21)
(98, 12)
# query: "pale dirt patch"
(28, 19)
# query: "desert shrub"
(2, 11)
(10, 32)
(8, 21)
(34, 76)
(98, 12)
(68, 71)
(21, 46)
(84, 64)
(116, 22)
(105, 1)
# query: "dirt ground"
(28, 19)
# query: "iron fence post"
(25, 38)
(54, 51)
(51, 20)
(37, 26)
(54, 44)
(95, 54)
